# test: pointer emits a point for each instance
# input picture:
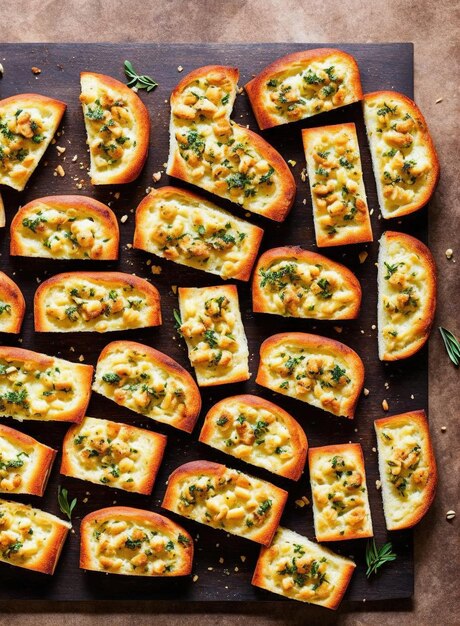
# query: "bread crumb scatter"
(378, 484)
(338, 329)
(156, 269)
(363, 256)
(443, 429)
(373, 326)
(35, 70)
(195, 578)
(243, 558)
(385, 406)
(81, 358)
(148, 190)
(60, 171)
(412, 397)
(303, 175)
(450, 515)
(123, 219)
(156, 177)
(74, 158)
(180, 68)
(221, 560)
(292, 163)
(174, 289)
(439, 100)
(374, 449)
(116, 195)
(2, 70)
(449, 253)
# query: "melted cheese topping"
(401, 157)
(214, 333)
(337, 187)
(341, 505)
(18, 464)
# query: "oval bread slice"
(65, 227)
(215, 495)
(123, 540)
(28, 123)
(148, 382)
(322, 372)
(95, 301)
(404, 159)
(293, 282)
(12, 305)
(407, 468)
(406, 295)
(258, 432)
(118, 128)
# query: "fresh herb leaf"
(177, 322)
(111, 378)
(376, 557)
(452, 345)
(63, 502)
(140, 81)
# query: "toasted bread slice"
(118, 128)
(65, 227)
(95, 301)
(404, 158)
(113, 454)
(300, 569)
(340, 212)
(406, 295)
(294, 282)
(12, 306)
(178, 225)
(2, 213)
(407, 468)
(340, 499)
(258, 432)
(319, 371)
(303, 84)
(34, 386)
(215, 495)
(149, 382)
(214, 333)
(25, 463)
(31, 538)
(28, 123)
(211, 151)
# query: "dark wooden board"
(383, 66)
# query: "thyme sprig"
(376, 557)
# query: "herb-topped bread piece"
(224, 498)
(95, 301)
(404, 159)
(116, 455)
(407, 468)
(178, 225)
(123, 540)
(406, 295)
(340, 498)
(293, 282)
(211, 151)
(300, 569)
(65, 227)
(340, 211)
(258, 432)
(319, 371)
(12, 306)
(304, 84)
(28, 123)
(118, 129)
(25, 463)
(214, 333)
(148, 382)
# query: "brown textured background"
(433, 27)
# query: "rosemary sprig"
(63, 501)
(376, 557)
(452, 345)
(140, 81)
(177, 322)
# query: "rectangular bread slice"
(340, 212)
(214, 333)
(31, 538)
(218, 496)
(302, 570)
(339, 492)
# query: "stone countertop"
(433, 28)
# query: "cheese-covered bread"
(12, 306)
(117, 126)
(404, 159)
(34, 386)
(211, 151)
(407, 468)
(214, 333)
(258, 432)
(303, 84)
(148, 382)
(340, 212)
(294, 282)
(116, 455)
(31, 538)
(25, 463)
(178, 225)
(406, 301)
(300, 569)
(65, 227)
(339, 492)
(95, 301)
(28, 123)
(215, 495)
(134, 542)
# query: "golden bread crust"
(12, 305)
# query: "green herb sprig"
(376, 557)
(452, 345)
(140, 81)
(63, 501)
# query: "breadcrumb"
(363, 256)
(123, 219)
(35, 70)
(385, 406)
